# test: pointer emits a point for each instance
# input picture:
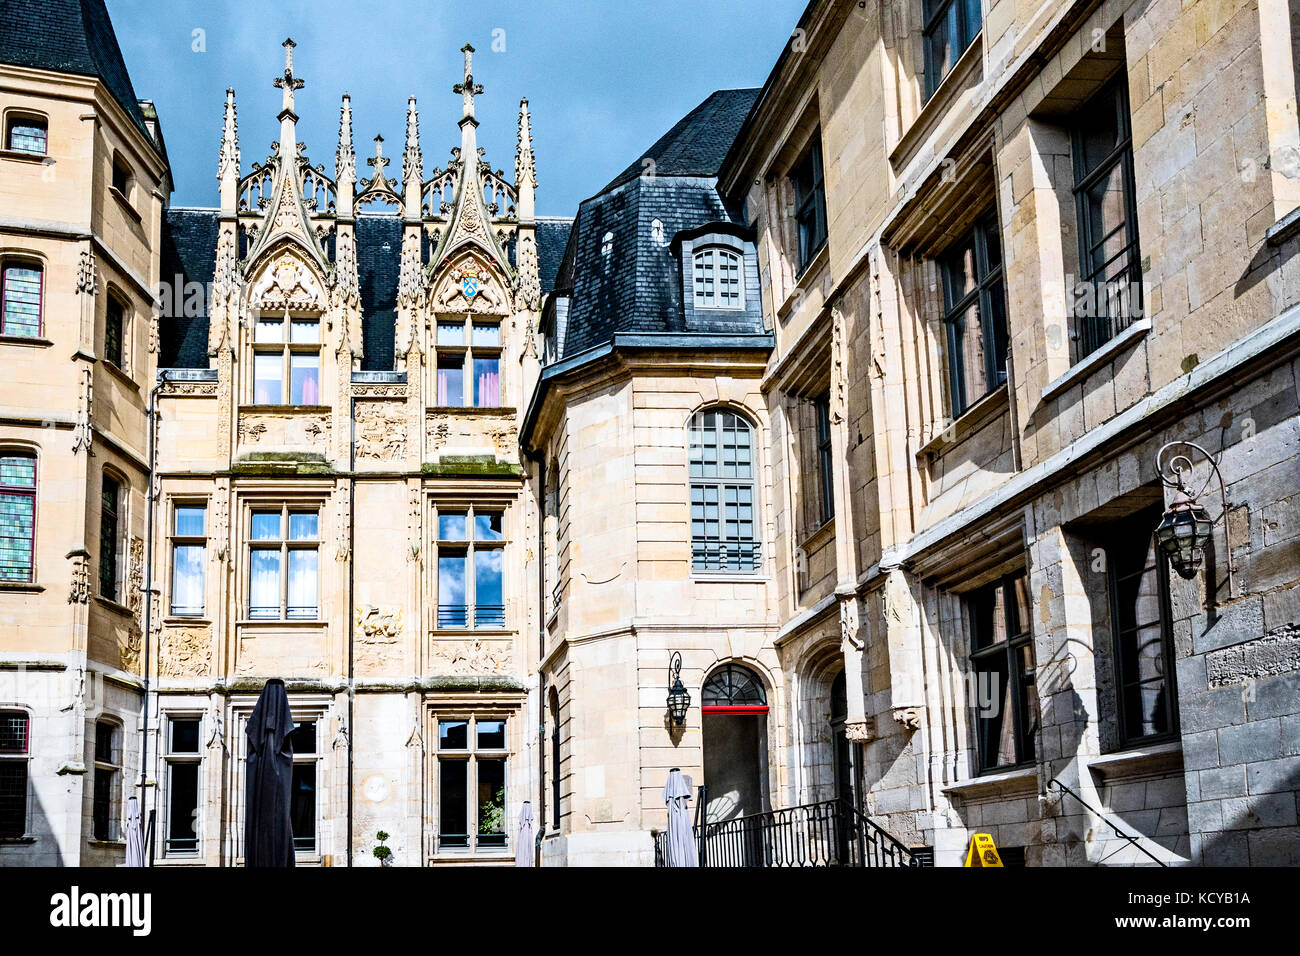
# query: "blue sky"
(604, 79)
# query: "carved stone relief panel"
(185, 652)
(284, 431)
(471, 656)
(450, 434)
(381, 429)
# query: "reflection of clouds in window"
(451, 526)
(451, 579)
(487, 575)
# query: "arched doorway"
(845, 752)
(734, 707)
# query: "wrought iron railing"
(481, 615)
(830, 833)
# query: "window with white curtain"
(718, 279)
(283, 576)
(286, 362)
(189, 556)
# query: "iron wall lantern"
(679, 699)
(1186, 528)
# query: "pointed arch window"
(723, 520)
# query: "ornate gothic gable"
(296, 189)
(478, 197)
(286, 280)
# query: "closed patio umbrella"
(524, 838)
(680, 848)
(134, 834)
(268, 833)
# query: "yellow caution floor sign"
(982, 852)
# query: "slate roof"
(636, 287)
(68, 36)
(552, 237)
(377, 270)
(699, 142)
(189, 249)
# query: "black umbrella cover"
(268, 834)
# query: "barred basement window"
(15, 727)
(1141, 624)
(1002, 658)
(17, 517)
(27, 134)
(110, 530)
(107, 781)
(717, 274)
(722, 493)
(950, 27)
(471, 783)
(471, 563)
(1109, 296)
(20, 298)
(184, 762)
(283, 577)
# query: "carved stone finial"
(379, 160)
(525, 168)
(345, 159)
(228, 161)
(288, 83)
(412, 159)
(468, 89)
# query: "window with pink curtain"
(451, 381)
(487, 382)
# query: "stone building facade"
(848, 402)
(1055, 239)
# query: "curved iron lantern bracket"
(679, 699)
(1173, 467)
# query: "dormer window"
(718, 284)
(26, 134)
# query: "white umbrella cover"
(134, 834)
(524, 838)
(680, 849)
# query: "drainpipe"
(352, 524)
(541, 650)
(148, 596)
